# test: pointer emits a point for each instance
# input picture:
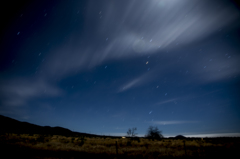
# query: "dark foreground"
(53, 147)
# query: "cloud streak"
(172, 122)
(138, 81)
(146, 29)
(167, 101)
(18, 92)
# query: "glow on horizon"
(194, 135)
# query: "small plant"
(40, 139)
(129, 143)
(73, 138)
(146, 145)
(135, 139)
(82, 140)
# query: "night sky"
(103, 66)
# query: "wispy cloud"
(170, 20)
(121, 128)
(138, 81)
(171, 122)
(130, 84)
(167, 101)
(219, 65)
(18, 92)
(135, 32)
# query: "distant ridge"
(9, 125)
(180, 137)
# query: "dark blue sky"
(105, 66)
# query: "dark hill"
(180, 137)
(9, 125)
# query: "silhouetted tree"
(154, 133)
(131, 132)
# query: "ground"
(56, 146)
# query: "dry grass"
(143, 148)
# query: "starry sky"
(105, 66)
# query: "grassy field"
(40, 146)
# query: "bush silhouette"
(153, 133)
(82, 139)
(131, 132)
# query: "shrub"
(40, 139)
(154, 133)
(129, 143)
(73, 138)
(82, 140)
